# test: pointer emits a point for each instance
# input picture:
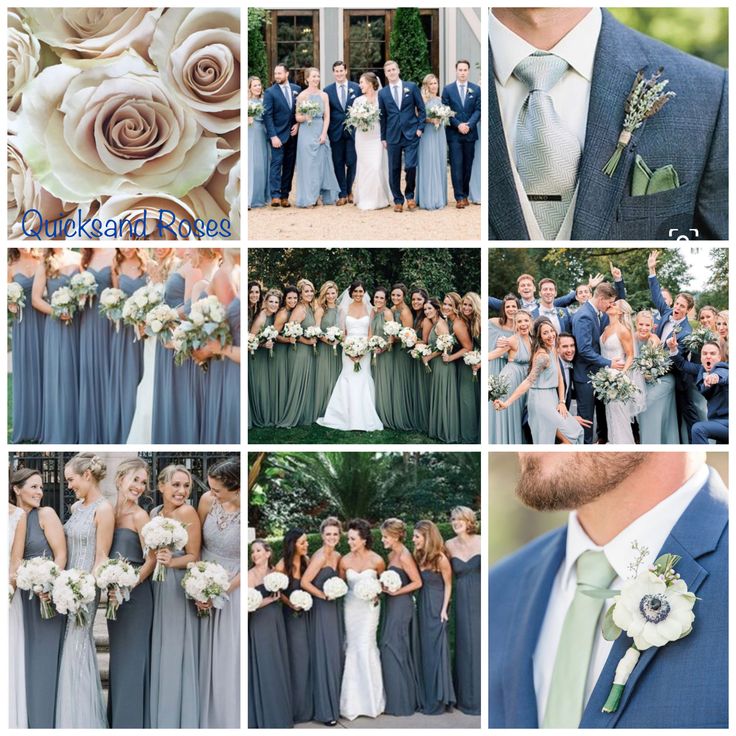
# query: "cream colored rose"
(111, 129)
(197, 52)
(24, 53)
(82, 36)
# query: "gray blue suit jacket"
(690, 133)
(681, 685)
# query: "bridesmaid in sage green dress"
(382, 367)
(422, 378)
(402, 393)
(282, 356)
(470, 312)
(444, 415)
(260, 392)
(329, 359)
(300, 408)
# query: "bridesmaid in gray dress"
(258, 150)
(43, 637)
(95, 341)
(27, 341)
(399, 643)
(60, 349)
(130, 635)
(438, 692)
(269, 685)
(432, 155)
(219, 633)
(89, 531)
(175, 630)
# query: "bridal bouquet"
(139, 303)
(275, 581)
(309, 110)
(444, 343)
(63, 304)
(160, 321)
(391, 329)
(334, 588)
(255, 110)
(315, 331)
(117, 577)
(612, 385)
(37, 575)
(206, 581)
(368, 589)
(16, 297)
(419, 351)
(334, 335)
(253, 342)
(254, 599)
(208, 320)
(269, 332)
(408, 337)
(653, 362)
(111, 305)
(440, 114)
(391, 580)
(73, 591)
(362, 116)
(84, 287)
(163, 533)
(376, 345)
(694, 342)
(293, 329)
(355, 347)
(301, 600)
(498, 387)
(472, 358)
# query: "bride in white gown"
(371, 190)
(352, 405)
(361, 692)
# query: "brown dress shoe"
(285, 203)
(341, 201)
(350, 199)
(459, 205)
(275, 202)
(411, 205)
(398, 208)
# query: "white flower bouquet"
(309, 109)
(253, 342)
(408, 337)
(334, 588)
(139, 303)
(275, 582)
(334, 335)
(72, 592)
(473, 358)
(313, 332)
(206, 581)
(391, 580)
(160, 322)
(694, 342)
(653, 362)
(612, 385)
(419, 351)
(376, 345)
(368, 589)
(269, 332)
(209, 322)
(391, 328)
(163, 533)
(355, 347)
(84, 286)
(118, 577)
(255, 109)
(293, 329)
(254, 599)
(440, 114)
(63, 304)
(362, 115)
(16, 297)
(498, 387)
(111, 305)
(37, 575)
(301, 600)
(445, 343)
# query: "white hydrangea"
(391, 580)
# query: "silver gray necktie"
(397, 96)
(342, 96)
(547, 154)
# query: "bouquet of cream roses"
(111, 305)
(334, 588)
(72, 592)
(161, 321)
(16, 297)
(334, 335)
(37, 575)
(254, 599)
(355, 347)
(117, 577)
(207, 321)
(163, 533)
(84, 287)
(206, 581)
(139, 303)
(63, 304)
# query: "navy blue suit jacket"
(665, 312)
(563, 315)
(336, 129)
(277, 117)
(681, 685)
(716, 396)
(690, 133)
(587, 331)
(468, 113)
(401, 123)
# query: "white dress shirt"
(570, 96)
(551, 314)
(669, 326)
(649, 530)
(286, 91)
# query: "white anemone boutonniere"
(653, 608)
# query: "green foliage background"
(408, 45)
(257, 60)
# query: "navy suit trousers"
(409, 148)
(343, 161)
(462, 153)
(282, 168)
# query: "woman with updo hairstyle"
(269, 684)
(175, 631)
(399, 644)
(219, 633)
(431, 191)
(402, 393)
(259, 152)
(464, 553)
(383, 364)
(43, 638)
(27, 341)
(89, 532)
(130, 634)
(329, 354)
(326, 632)
(432, 610)
(282, 353)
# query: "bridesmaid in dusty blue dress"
(219, 634)
(474, 192)
(315, 173)
(432, 155)
(499, 327)
(258, 149)
(128, 703)
(60, 349)
(89, 531)
(95, 346)
(27, 341)
(269, 685)
(175, 630)
(43, 638)
(126, 351)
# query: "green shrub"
(409, 45)
(257, 59)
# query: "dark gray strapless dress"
(437, 689)
(95, 340)
(297, 638)
(269, 684)
(400, 652)
(467, 634)
(130, 644)
(27, 333)
(43, 640)
(126, 372)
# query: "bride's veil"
(344, 302)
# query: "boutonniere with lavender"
(646, 98)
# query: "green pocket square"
(645, 181)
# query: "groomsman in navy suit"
(464, 98)
(279, 117)
(403, 116)
(341, 94)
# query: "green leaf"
(666, 562)
(610, 631)
(593, 592)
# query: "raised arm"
(566, 299)
(494, 303)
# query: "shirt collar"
(577, 48)
(649, 530)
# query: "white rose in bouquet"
(408, 337)
(334, 335)
(111, 305)
(63, 304)
(73, 590)
(368, 589)
(334, 588)
(24, 53)
(355, 347)
(206, 581)
(163, 533)
(37, 575)
(391, 580)
(275, 581)
(301, 599)
(118, 577)
(254, 599)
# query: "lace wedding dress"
(371, 190)
(361, 693)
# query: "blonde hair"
(271, 292)
(394, 528)
(434, 546)
(330, 521)
(130, 466)
(309, 70)
(426, 94)
(85, 461)
(519, 314)
(456, 301)
(322, 298)
(253, 79)
(140, 254)
(301, 284)
(50, 263)
(644, 313)
(474, 321)
(467, 515)
(166, 475)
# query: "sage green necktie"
(567, 691)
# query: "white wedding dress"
(361, 692)
(371, 190)
(352, 405)
(141, 429)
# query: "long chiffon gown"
(468, 401)
(27, 340)
(258, 162)
(299, 407)
(402, 392)
(79, 699)
(383, 375)
(17, 714)
(495, 367)
(219, 635)
(505, 427)
(297, 626)
(279, 379)
(431, 191)
(328, 364)
(658, 422)
(467, 633)
(259, 383)
(444, 415)
(315, 173)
